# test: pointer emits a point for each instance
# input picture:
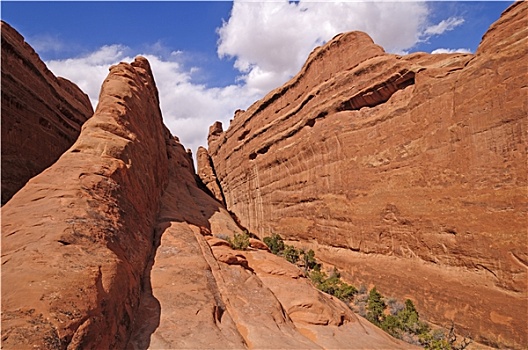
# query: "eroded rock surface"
(407, 172)
(207, 175)
(201, 294)
(115, 246)
(41, 114)
(76, 239)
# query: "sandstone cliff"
(407, 172)
(112, 247)
(41, 114)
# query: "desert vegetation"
(399, 319)
(240, 241)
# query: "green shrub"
(291, 253)
(333, 285)
(309, 260)
(317, 277)
(340, 289)
(391, 324)
(434, 340)
(239, 241)
(403, 322)
(410, 320)
(275, 243)
(375, 306)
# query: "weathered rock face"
(112, 247)
(207, 175)
(407, 172)
(201, 294)
(76, 239)
(41, 114)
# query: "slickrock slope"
(111, 247)
(41, 114)
(201, 294)
(407, 172)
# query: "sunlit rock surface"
(406, 172)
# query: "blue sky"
(211, 58)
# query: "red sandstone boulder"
(42, 115)
(257, 244)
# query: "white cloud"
(188, 109)
(442, 50)
(89, 71)
(271, 40)
(444, 26)
(46, 43)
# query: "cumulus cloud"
(189, 108)
(271, 40)
(89, 71)
(443, 50)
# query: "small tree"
(333, 285)
(317, 277)
(309, 260)
(410, 319)
(391, 324)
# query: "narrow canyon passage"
(199, 293)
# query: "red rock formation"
(201, 294)
(407, 172)
(207, 175)
(41, 114)
(111, 247)
(77, 237)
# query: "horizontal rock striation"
(41, 114)
(407, 172)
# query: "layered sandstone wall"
(41, 114)
(407, 172)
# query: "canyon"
(115, 246)
(406, 172)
